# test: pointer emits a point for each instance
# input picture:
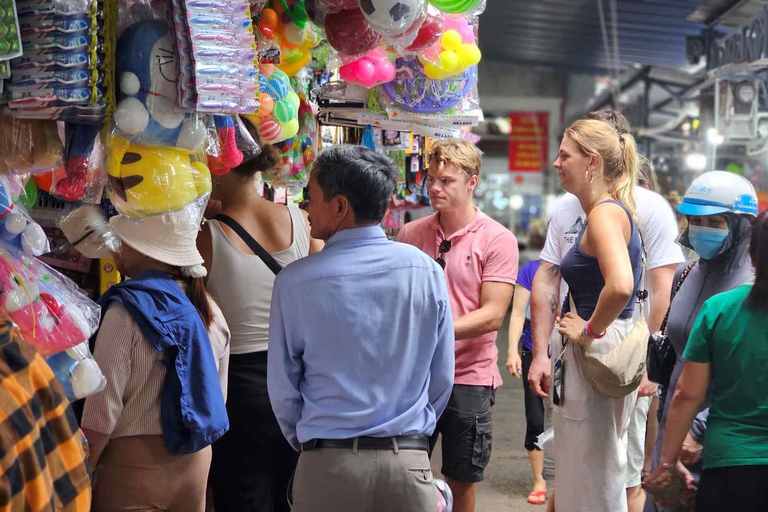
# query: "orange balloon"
(45, 180)
(269, 18)
(266, 101)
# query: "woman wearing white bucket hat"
(164, 347)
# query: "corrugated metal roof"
(566, 34)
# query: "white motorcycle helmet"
(718, 192)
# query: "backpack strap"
(255, 246)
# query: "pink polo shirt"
(482, 251)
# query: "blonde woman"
(603, 269)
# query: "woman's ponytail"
(198, 296)
(623, 186)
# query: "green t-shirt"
(733, 338)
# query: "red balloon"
(429, 32)
(349, 34)
(340, 4)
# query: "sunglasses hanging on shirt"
(445, 246)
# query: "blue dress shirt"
(360, 341)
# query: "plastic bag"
(16, 226)
(472, 7)
(455, 51)
(84, 173)
(146, 180)
(10, 35)
(77, 372)
(444, 496)
(370, 70)
(394, 18)
(277, 118)
(88, 231)
(51, 312)
(29, 146)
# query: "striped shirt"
(42, 453)
(135, 372)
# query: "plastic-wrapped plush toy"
(50, 311)
(77, 372)
(277, 117)
(88, 231)
(82, 173)
(17, 227)
(146, 111)
(146, 180)
(369, 71)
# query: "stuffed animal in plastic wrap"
(77, 372)
(81, 175)
(146, 112)
(231, 156)
(50, 314)
(16, 227)
(145, 180)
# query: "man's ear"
(342, 207)
(473, 180)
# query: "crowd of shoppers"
(283, 360)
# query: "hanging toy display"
(459, 6)
(414, 91)
(146, 112)
(391, 18)
(455, 52)
(369, 71)
(231, 156)
(290, 30)
(16, 226)
(49, 310)
(429, 31)
(349, 33)
(277, 118)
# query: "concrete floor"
(508, 476)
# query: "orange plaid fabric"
(41, 452)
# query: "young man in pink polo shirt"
(479, 257)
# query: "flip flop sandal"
(537, 497)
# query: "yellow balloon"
(468, 55)
(449, 61)
(432, 71)
(451, 40)
(290, 129)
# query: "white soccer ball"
(392, 17)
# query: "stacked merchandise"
(10, 41)
(217, 56)
(65, 72)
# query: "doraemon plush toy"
(146, 70)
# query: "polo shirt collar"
(473, 226)
(368, 232)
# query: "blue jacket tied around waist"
(193, 412)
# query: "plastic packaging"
(277, 117)
(392, 18)
(444, 496)
(51, 312)
(77, 372)
(88, 231)
(149, 180)
(369, 71)
(85, 169)
(455, 51)
(349, 34)
(16, 226)
(10, 35)
(460, 6)
(230, 155)
(545, 438)
(29, 146)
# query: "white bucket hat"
(169, 237)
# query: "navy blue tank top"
(585, 281)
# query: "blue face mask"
(707, 242)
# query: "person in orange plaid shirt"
(42, 456)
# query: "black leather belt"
(370, 443)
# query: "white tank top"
(242, 284)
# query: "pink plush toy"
(49, 324)
(369, 71)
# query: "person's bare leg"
(635, 499)
(536, 457)
(551, 505)
(651, 433)
(463, 495)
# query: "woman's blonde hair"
(459, 152)
(617, 154)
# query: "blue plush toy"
(146, 111)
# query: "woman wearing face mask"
(720, 207)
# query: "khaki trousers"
(339, 480)
(139, 474)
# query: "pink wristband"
(591, 334)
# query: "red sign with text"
(528, 141)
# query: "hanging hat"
(169, 237)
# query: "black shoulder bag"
(255, 246)
(661, 354)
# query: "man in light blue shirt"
(361, 348)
